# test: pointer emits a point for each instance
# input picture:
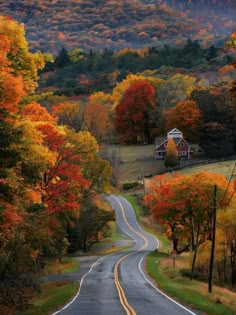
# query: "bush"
(130, 185)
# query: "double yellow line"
(123, 300)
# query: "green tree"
(63, 59)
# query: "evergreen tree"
(63, 58)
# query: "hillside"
(52, 24)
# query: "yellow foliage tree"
(171, 158)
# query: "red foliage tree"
(132, 115)
(183, 204)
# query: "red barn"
(182, 146)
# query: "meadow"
(136, 161)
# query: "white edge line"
(85, 275)
(169, 298)
(80, 285)
(127, 233)
(158, 242)
(143, 274)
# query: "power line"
(229, 181)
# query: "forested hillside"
(78, 72)
(88, 24)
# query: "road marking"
(120, 292)
(162, 293)
(123, 300)
(81, 282)
(140, 262)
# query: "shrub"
(130, 185)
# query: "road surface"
(116, 283)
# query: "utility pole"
(211, 267)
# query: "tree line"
(50, 176)
(69, 66)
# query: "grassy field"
(135, 161)
(225, 168)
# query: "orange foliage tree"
(185, 116)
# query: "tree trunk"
(233, 270)
(85, 243)
(195, 253)
(175, 245)
(193, 234)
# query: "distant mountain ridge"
(112, 24)
(199, 7)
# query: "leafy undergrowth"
(52, 296)
(66, 265)
(193, 293)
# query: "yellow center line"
(123, 300)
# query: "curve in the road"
(141, 260)
(123, 300)
(99, 295)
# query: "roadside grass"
(170, 280)
(146, 221)
(193, 293)
(113, 243)
(138, 210)
(116, 233)
(66, 265)
(52, 296)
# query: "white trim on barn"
(175, 133)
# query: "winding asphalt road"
(116, 283)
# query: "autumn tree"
(185, 116)
(132, 115)
(218, 110)
(70, 114)
(225, 264)
(183, 206)
(176, 89)
(171, 157)
(91, 225)
(18, 71)
(98, 116)
(23, 63)
(121, 87)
